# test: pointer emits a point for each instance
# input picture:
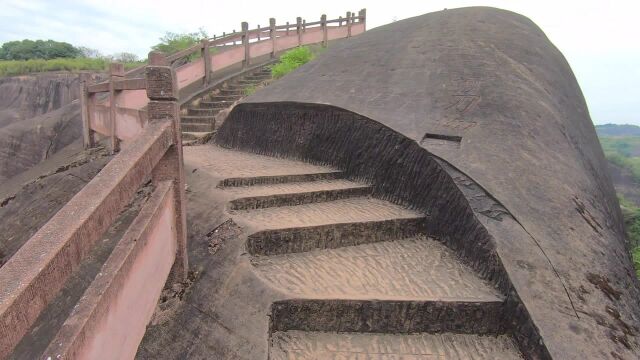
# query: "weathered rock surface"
(25, 210)
(39, 115)
(473, 116)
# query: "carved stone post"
(287, 28)
(87, 134)
(272, 35)
(245, 43)
(304, 26)
(339, 20)
(363, 18)
(206, 57)
(259, 30)
(116, 71)
(348, 23)
(162, 91)
(323, 24)
(299, 29)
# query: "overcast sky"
(601, 39)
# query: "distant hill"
(617, 130)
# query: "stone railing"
(109, 320)
(121, 115)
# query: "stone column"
(206, 57)
(348, 23)
(323, 24)
(299, 29)
(162, 90)
(116, 71)
(245, 43)
(87, 134)
(272, 35)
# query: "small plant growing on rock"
(291, 60)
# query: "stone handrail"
(126, 119)
(110, 319)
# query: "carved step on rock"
(229, 98)
(258, 77)
(194, 136)
(203, 111)
(245, 83)
(412, 269)
(301, 345)
(327, 225)
(219, 105)
(197, 119)
(197, 127)
(344, 274)
(228, 91)
(296, 193)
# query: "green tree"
(39, 49)
(173, 42)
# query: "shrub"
(291, 60)
(18, 67)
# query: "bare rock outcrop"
(39, 115)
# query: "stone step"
(208, 104)
(280, 179)
(296, 193)
(186, 127)
(197, 119)
(202, 111)
(307, 345)
(228, 91)
(246, 83)
(189, 136)
(412, 269)
(229, 98)
(333, 224)
(257, 77)
(238, 168)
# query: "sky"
(600, 39)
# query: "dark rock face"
(39, 114)
(26, 143)
(473, 116)
(23, 213)
(23, 97)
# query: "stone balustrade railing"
(143, 112)
(126, 118)
(110, 319)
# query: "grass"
(291, 60)
(631, 214)
(620, 150)
(18, 67)
(249, 90)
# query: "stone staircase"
(345, 275)
(198, 119)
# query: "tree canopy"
(38, 49)
(173, 42)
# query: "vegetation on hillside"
(631, 215)
(38, 49)
(618, 130)
(621, 145)
(623, 151)
(291, 60)
(30, 56)
(15, 67)
(173, 42)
